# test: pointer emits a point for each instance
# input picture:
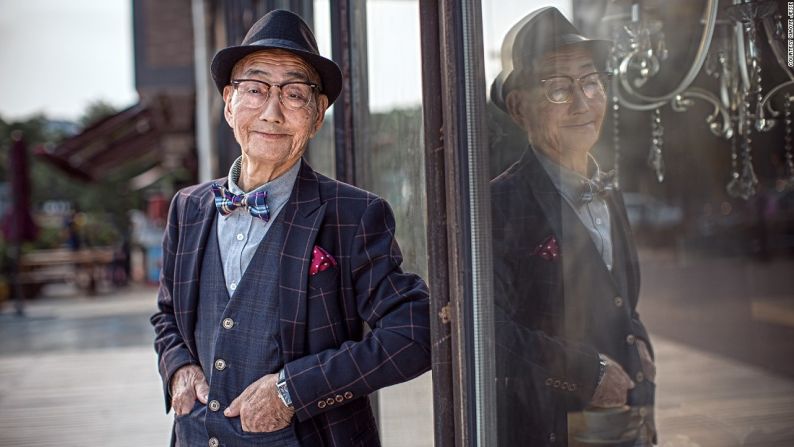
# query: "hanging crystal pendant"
(732, 188)
(655, 158)
(616, 137)
(747, 183)
(788, 153)
(747, 180)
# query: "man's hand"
(260, 408)
(187, 385)
(614, 387)
(648, 366)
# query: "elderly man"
(566, 275)
(271, 274)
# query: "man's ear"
(520, 115)
(322, 106)
(227, 104)
(513, 105)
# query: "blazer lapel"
(626, 267)
(579, 253)
(303, 215)
(194, 229)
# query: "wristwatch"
(283, 391)
(602, 368)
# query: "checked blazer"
(555, 312)
(331, 362)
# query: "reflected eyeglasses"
(558, 89)
(292, 95)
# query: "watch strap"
(283, 390)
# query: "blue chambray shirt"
(594, 215)
(240, 233)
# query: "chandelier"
(728, 50)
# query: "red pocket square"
(321, 261)
(548, 249)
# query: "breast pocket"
(325, 317)
(325, 280)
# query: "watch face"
(283, 393)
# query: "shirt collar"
(567, 181)
(278, 190)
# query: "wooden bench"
(84, 267)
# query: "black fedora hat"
(279, 29)
(542, 31)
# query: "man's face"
(273, 135)
(559, 129)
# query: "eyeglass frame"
(603, 75)
(314, 86)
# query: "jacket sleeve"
(171, 350)
(561, 365)
(394, 304)
(638, 329)
(524, 351)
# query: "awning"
(129, 137)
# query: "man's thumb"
(202, 390)
(234, 408)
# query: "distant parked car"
(648, 212)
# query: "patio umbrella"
(18, 224)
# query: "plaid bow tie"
(227, 202)
(601, 184)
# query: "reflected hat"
(540, 32)
(284, 30)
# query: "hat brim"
(598, 48)
(225, 59)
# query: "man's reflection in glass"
(575, 365)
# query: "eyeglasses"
(292, 95)
(559, 89)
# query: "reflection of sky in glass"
(60, 56)
(322, 33)
(395, 75)
(498, 17)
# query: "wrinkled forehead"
(570, 60)
(276, 65)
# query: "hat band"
(282, 43)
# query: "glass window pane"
(392, 165)
(321, 151)
(681, 169)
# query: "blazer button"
(214, 442)
(552, 437)
(339, 398)
(214, 405)
(618, 301)
(321, 404)
(556, 384)
(348, 395)
(220, 364)
(630, 339)
(572, 387)
(565, 386)
(549, 381)
(330, 401)
(640, 376)
(228, 323)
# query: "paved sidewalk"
(79, 371)
(82, 372)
